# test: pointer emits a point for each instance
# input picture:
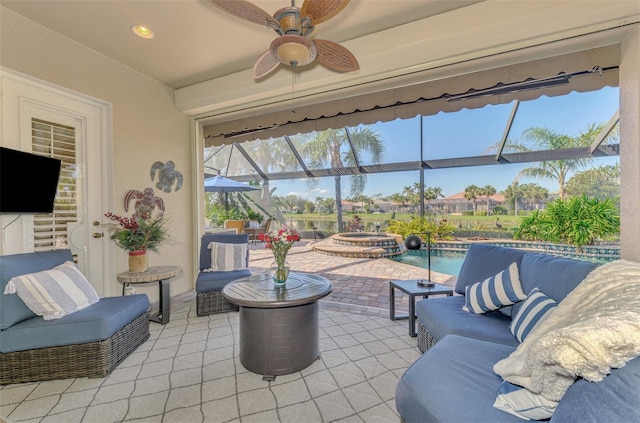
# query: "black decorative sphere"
(413, 242)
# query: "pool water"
(450, 262)
(447, 262)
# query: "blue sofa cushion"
(12, 309)
(453, 382)
(215, 281)
(555, 276)
(444, 316)
(483, 261)
(614, 399)
(95, 323)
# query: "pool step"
(376, 246)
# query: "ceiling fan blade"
(265, 64)
(245, 10)
(322, 10)
(335, 57)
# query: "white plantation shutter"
(58, 141)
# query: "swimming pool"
(447, 262)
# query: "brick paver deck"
(359, 284)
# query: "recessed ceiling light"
(143, 31)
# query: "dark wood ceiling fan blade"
(322, 10)
(335, 57)
(265, 64)
(245, 10)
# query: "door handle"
(98, 235)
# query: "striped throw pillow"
(497, 291)
(227, 257)
(523, 403)
(54, 293)
(535, 308)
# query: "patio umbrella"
(221, 184)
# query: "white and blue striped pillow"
(523, 403)
(535, 308)
(227, 257)
(497, 291)
(54, 293)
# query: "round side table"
(160, 274)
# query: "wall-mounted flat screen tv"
(28, 182)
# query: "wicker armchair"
(209, 298)
(254, 232)
(238, 225)
(87, 343)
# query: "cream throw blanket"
(596, 327)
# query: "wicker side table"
(160, 274)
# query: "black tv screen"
(28, 182)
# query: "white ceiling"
(195, 41)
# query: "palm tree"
(534, 193)
(547, 139)
(512, 194)
(412, 194)
(397, 198)
(471, 193)
(325, 149)
(601, 181)
(432, 193)
(488, 191)
(272, 155)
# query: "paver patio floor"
(359, 285)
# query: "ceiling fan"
(294, 27)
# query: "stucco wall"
(147, 127)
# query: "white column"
(630, 145)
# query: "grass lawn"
(467, 222)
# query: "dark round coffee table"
(278, 326)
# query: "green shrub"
(419, 226)
(578, 221)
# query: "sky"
(468, 133)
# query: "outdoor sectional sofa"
(212, 277)
(457, 380)
(89, 342)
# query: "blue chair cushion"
(215, 281)
(483, 261)
(444, 316)
(453, 382)
(12, 309)
(95, 323)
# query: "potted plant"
(137, 235)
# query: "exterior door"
(53, 122)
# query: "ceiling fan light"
(293, 54)
(294, 50)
